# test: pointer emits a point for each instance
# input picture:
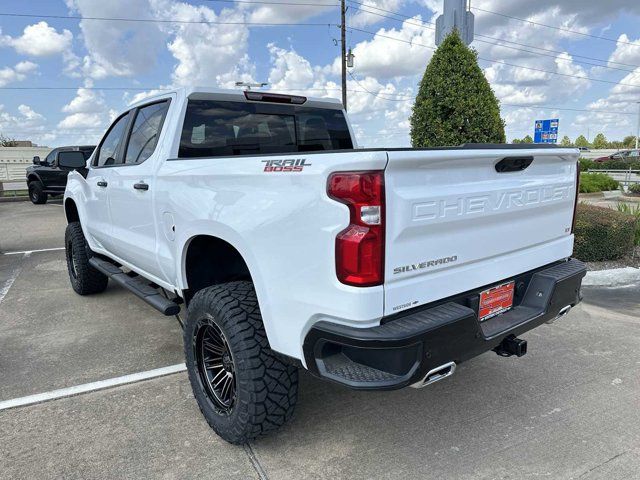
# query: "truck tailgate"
(454, 223)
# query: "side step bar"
(136, 285)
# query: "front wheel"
(84, 278)
(242, 387)
(37, 195)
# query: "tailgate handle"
(513, 164)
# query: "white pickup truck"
(291, 248)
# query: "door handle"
(102, 183)
(141, 186)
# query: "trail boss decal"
(289, 165)
(428, 264)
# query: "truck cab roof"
(211, 93)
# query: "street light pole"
(343, 48)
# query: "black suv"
(45, 178)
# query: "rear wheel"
(84, 278)
(242, 387)
(37, 195)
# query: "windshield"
(213, 128)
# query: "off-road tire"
(266, 388)
(85, 279)
(37, 195)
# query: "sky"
(62, 80)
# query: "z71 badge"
(288, 165)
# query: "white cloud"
(578, 15)
(29, 114)
(385, 57)
(86, 110)
(205, 52)
(290, 70)
(624, 53)
(287, 13)
(85, 101)
(27, 124)
(116, 48)
(40, 40)
(81, 120)
(616, 111)
(372, 11)
(16, 74)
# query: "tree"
(6, 141)
(600, 141)
(629, 141)
(565, 142)
(455, 103)
(516, 140)
(581, 141)
(527, 139)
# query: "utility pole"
(343, 49)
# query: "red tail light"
(360, 246)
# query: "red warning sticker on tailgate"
(495, 300)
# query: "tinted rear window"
(215, 129)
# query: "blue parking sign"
(546, 131)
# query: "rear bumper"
(405, 347)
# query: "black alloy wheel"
(216, 366)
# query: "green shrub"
(632, 210)
(634, 188)
(455, 103)
(586, 164)
(602, 233)
(597, 182)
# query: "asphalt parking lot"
(569, 409)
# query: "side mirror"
(36, 160)
(73, 160)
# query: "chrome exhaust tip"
(563, 311)
(436, 374)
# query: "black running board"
(136, 285)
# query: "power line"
(500, 61)
(397, 98)
(556, 27)
(266, 2)
(205, 22)
(565, 109)
(424, 26)
(558, 51)
(151, 20)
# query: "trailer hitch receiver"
(511, 346)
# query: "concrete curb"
(14, 199)
(615, 277)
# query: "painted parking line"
(7, 284)
(29, 252)
(91, 387)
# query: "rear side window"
(110, 147)
(145, 132)
(215, 129)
